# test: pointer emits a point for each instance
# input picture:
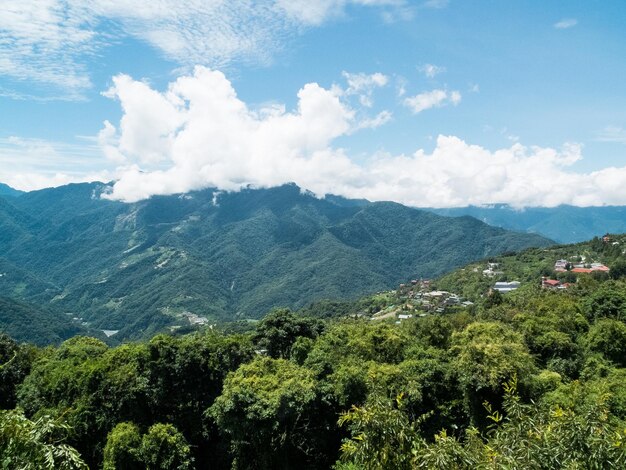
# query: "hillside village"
(557, 269)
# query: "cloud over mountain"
(198, 134)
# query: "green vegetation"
(526, 379)
(26, 322)
(405, 378)
(142, 268)
(35, 444)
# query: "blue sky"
(424, 102)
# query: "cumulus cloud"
(432, 99)
(49, 42)
(566, 23)
(208, 137)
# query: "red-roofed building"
(582, 270)
(599, 267)
(549, 283)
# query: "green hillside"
(33, 324)
(531, 265)
(215, 256)
(472, 285)
(532, 378)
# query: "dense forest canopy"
(527, 379)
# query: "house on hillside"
(561, 265)
(593, 267)
(599, 267)
(553, 284)
(492, 270)
(453, 299)
(549, 283)
(504, 287)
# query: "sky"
(430, 103)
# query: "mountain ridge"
(221, 256)
(564, 223)
(8, 191)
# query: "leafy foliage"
(273, 397)
(36, 445)
(534, 381)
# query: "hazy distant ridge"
(565, 224)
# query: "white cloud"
(315, 13)
(612, 134)
(566, 23)
(363, 85)
(455, 97)
(432, 99)
(210, 138)
(431, 70)
(436, 4)
(30, 164)
(380, 119)
(40, 42)
(49, 42)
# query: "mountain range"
(564, 224)
(211, 256)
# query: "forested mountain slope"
(31, 323)
(221, 256)
(6, 190)
(528, 379)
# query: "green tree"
(486, 355)
(618, 270)
(381, 435)
(266, 410)
(280, 329)
(15, 364)
(608, 337)
(608, 301)
(164, 448)
(35, 445)
(122, 450)
(433, 330)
